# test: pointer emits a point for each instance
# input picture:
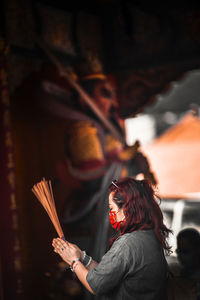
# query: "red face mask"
(112, 217)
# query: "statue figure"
(93, 156)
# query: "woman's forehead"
(111, 196)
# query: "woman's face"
(113, 206)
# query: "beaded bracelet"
(72, 264)
(77, 259)
(75, 265)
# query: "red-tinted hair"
(140, 207)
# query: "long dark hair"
(141, 209)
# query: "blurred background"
(169, 134)
(90, 92)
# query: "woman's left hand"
(66, 250)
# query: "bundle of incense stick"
(44, 192)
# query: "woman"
(135, 265)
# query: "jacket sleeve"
(111, 270)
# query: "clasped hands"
(68, 251)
